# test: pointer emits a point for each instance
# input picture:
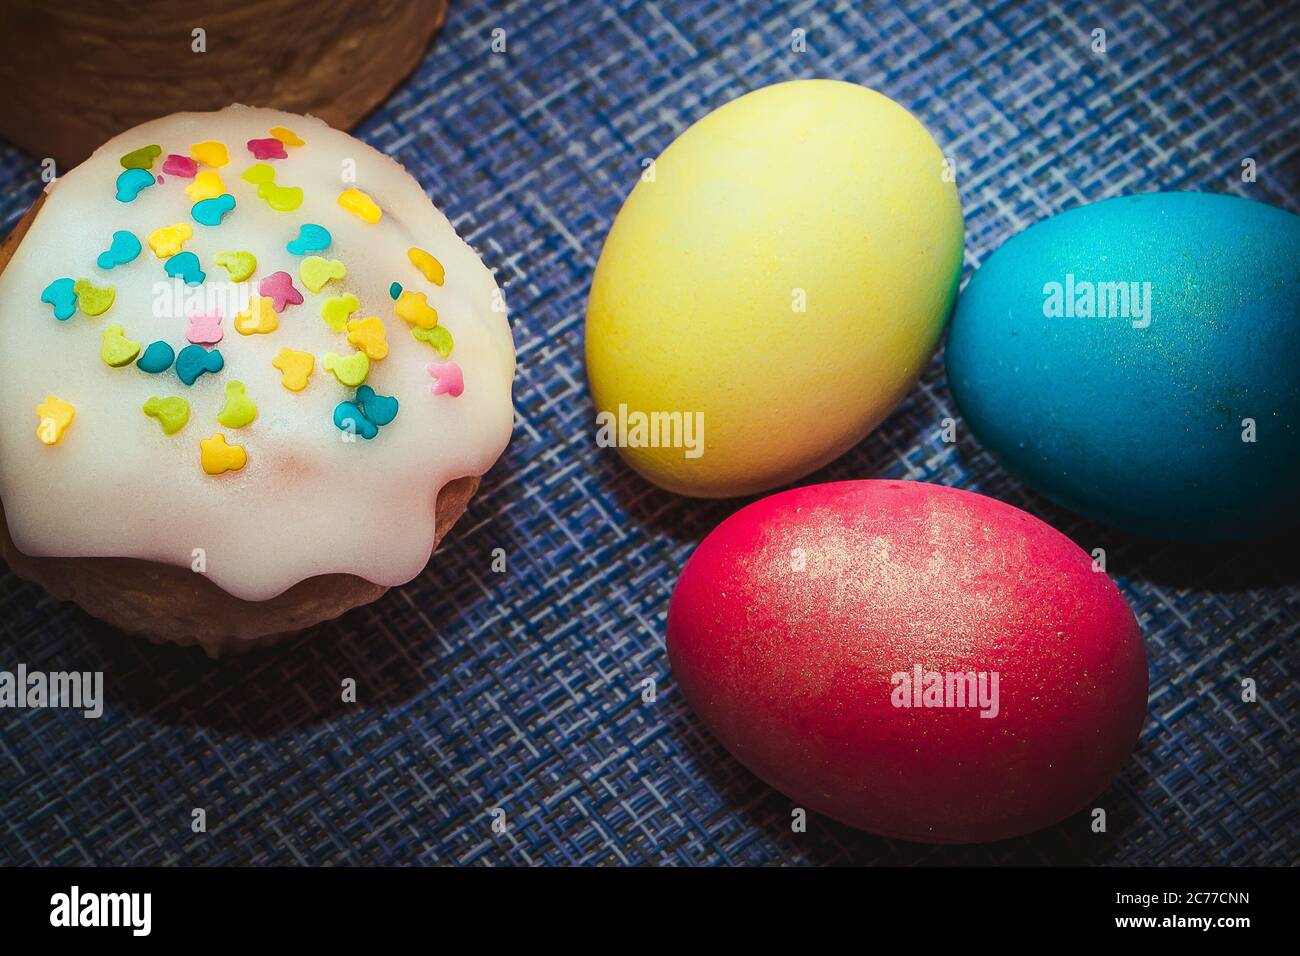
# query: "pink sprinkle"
(182, 166)
(267, 149)
(161, 180)
(447, 379)
(205, 329)
(278, 286)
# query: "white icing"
(307, 502)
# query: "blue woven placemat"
(522, 691)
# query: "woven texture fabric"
(521, 692)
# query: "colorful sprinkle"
(447, 379)
(427, 264)
(366, 414)
(295, 368)
(158, 357)
(239, 409)
(259, 319)
(336, 309)
(286, 136)
(368, 336)
(380, 409)
(280, 198)
(117, 350)
(395, 290)
(414, 309)
(141, 158)
(350, 371)
(182, 166)
(218, 458)
(194, 360)
(55, 415)
(267, 149)
(348, 418)
(210, 212)
(311, 238)
(204, 329)
(93, 299)
(278, 286)
(359, 204)
(259, 174)
(315, 272)
(206, 185)
(62, 295)
(210, 153)
(167, 241)
(172, 412)
(185, 265)
(240, 265)
(123, 249)
(438, 337)
(130, 182)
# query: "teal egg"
(1137, 361)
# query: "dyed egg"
(914, 660)
(772, 287)
(1135, 360)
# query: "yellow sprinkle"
(336, 309)
(413, 308)
(259, 319)
(167, 241)
(218, 458)
(117, 350)
(281, 198)
(295, 368)
(172, 412)
(368, 335)
(427, 264)
(315, 272)
(55, 415)
(210, 153)
(359, 204)
(93, 299)
(239, 409)
(259, 174)
(206, 185)
(351, 370)
(286, 136)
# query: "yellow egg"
(776, 281)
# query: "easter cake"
(252, 377)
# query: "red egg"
(914, 660)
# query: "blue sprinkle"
(123, 249)
(131, 182)
(380, 409)
(311, 238)
(194, 360)
(63, 297)
(347, 417)
(210, 212)
(157, 358)
(185, 265)
(395, 290)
